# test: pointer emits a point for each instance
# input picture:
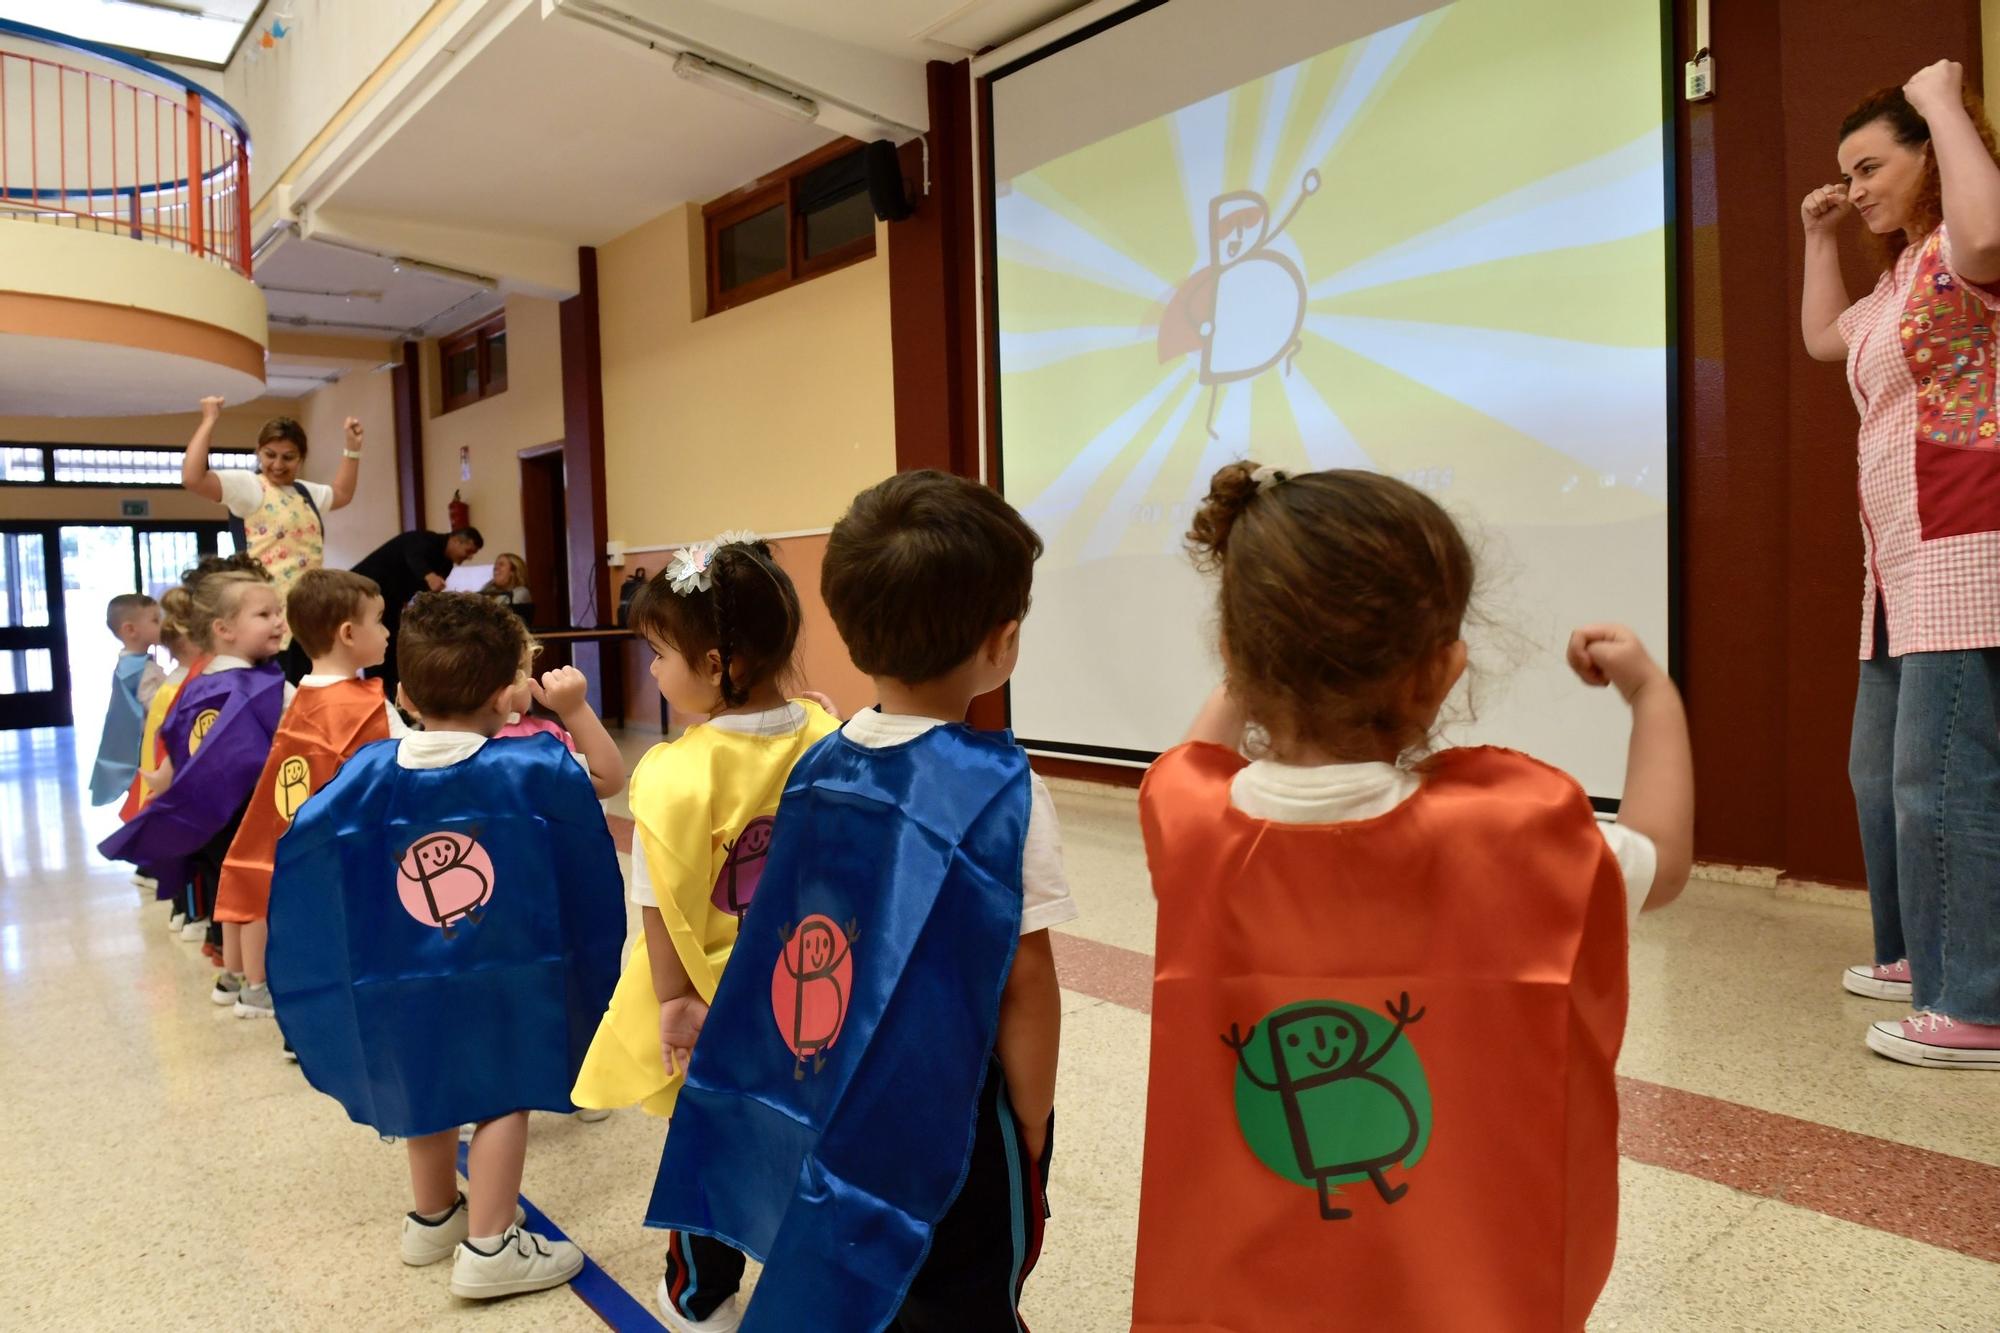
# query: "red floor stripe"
(1933, 1197)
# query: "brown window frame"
(476, 338)
(779, 188)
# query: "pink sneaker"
(1936, 1042)
(1881, 982)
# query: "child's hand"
(1612, 655)
(681, 1021)
(832, 709)
(561, 691)
(211, 409)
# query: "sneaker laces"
(1926, 1022)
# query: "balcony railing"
(150, 156)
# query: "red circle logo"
(810, 987)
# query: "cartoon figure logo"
(1243, 311)
(294, 785)
(1333, 1093)
(444, 878)
(743, 867)
(199, 731)
(810, 987)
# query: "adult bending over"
(409, 564)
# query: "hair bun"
(1230, 492)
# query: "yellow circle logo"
(202, 722)
(294, 785)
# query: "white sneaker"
(726, 1318)
(425, 1243)
(526, 1261)
(195, 931)
(175, 922)
(228, 986)
(590, 1115)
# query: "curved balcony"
(124, 234)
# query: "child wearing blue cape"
(446, 917)
(869, 1102)
(134, 619)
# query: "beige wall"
(529, 413)
(769, 416)
(374, 515)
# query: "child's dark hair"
(749, 616)
(283, 429)
(1335, 588)
(456, 650)
(208, 593)
(123, 607)
(321, 602)
(921, 569)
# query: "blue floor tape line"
(617, 1307)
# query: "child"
(565, 692)
(1416, 970)
(336, 619)
(135, 619)
(723, 622)
(444, 932)
(153, 752)
(871, 1105)
(217, 736)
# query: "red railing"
(79, 148)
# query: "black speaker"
(885, 182)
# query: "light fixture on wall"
(405, 265)
(743, 87)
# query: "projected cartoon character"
(1342, 1116)
(810, 988)
(743, 867)
(443, 879)
(1242, 311)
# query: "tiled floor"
(167, 1170)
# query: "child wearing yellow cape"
(724, 621)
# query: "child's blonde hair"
(209, 592)
(1336, 587)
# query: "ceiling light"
(744, 87)
(401, 265)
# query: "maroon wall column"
(590, 603)
(407, 408)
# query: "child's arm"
(159, 779)
(566, 693)
(682, 1012)
(831, 708)
(1659, 772)
(1221, 721)
(149, 683)
(195, 473)
(1030, 1036)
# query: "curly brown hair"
(1336, 587)
(1911, 130)
(456, 650)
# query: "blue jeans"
(1925, 766)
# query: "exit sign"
(135, 508)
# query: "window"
(106, 465)
(472, 363)
(808, 218)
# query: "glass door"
(34, 661)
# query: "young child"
(153, 752)
(723, 623)
(134, 619)
(217, 736)
(336, 618)
(870, 1105)
(445, 929)
(566, 693)
(1390, 989)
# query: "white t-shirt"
(1346, 793)
(1045, 895)
(442, 749)
(243, 492)
(784, 720)
(397, 727)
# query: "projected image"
(1434, 251)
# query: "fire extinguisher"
(460, 513)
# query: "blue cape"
(443, 940)
(829, 1111)
(124, 729)
(218, 736)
